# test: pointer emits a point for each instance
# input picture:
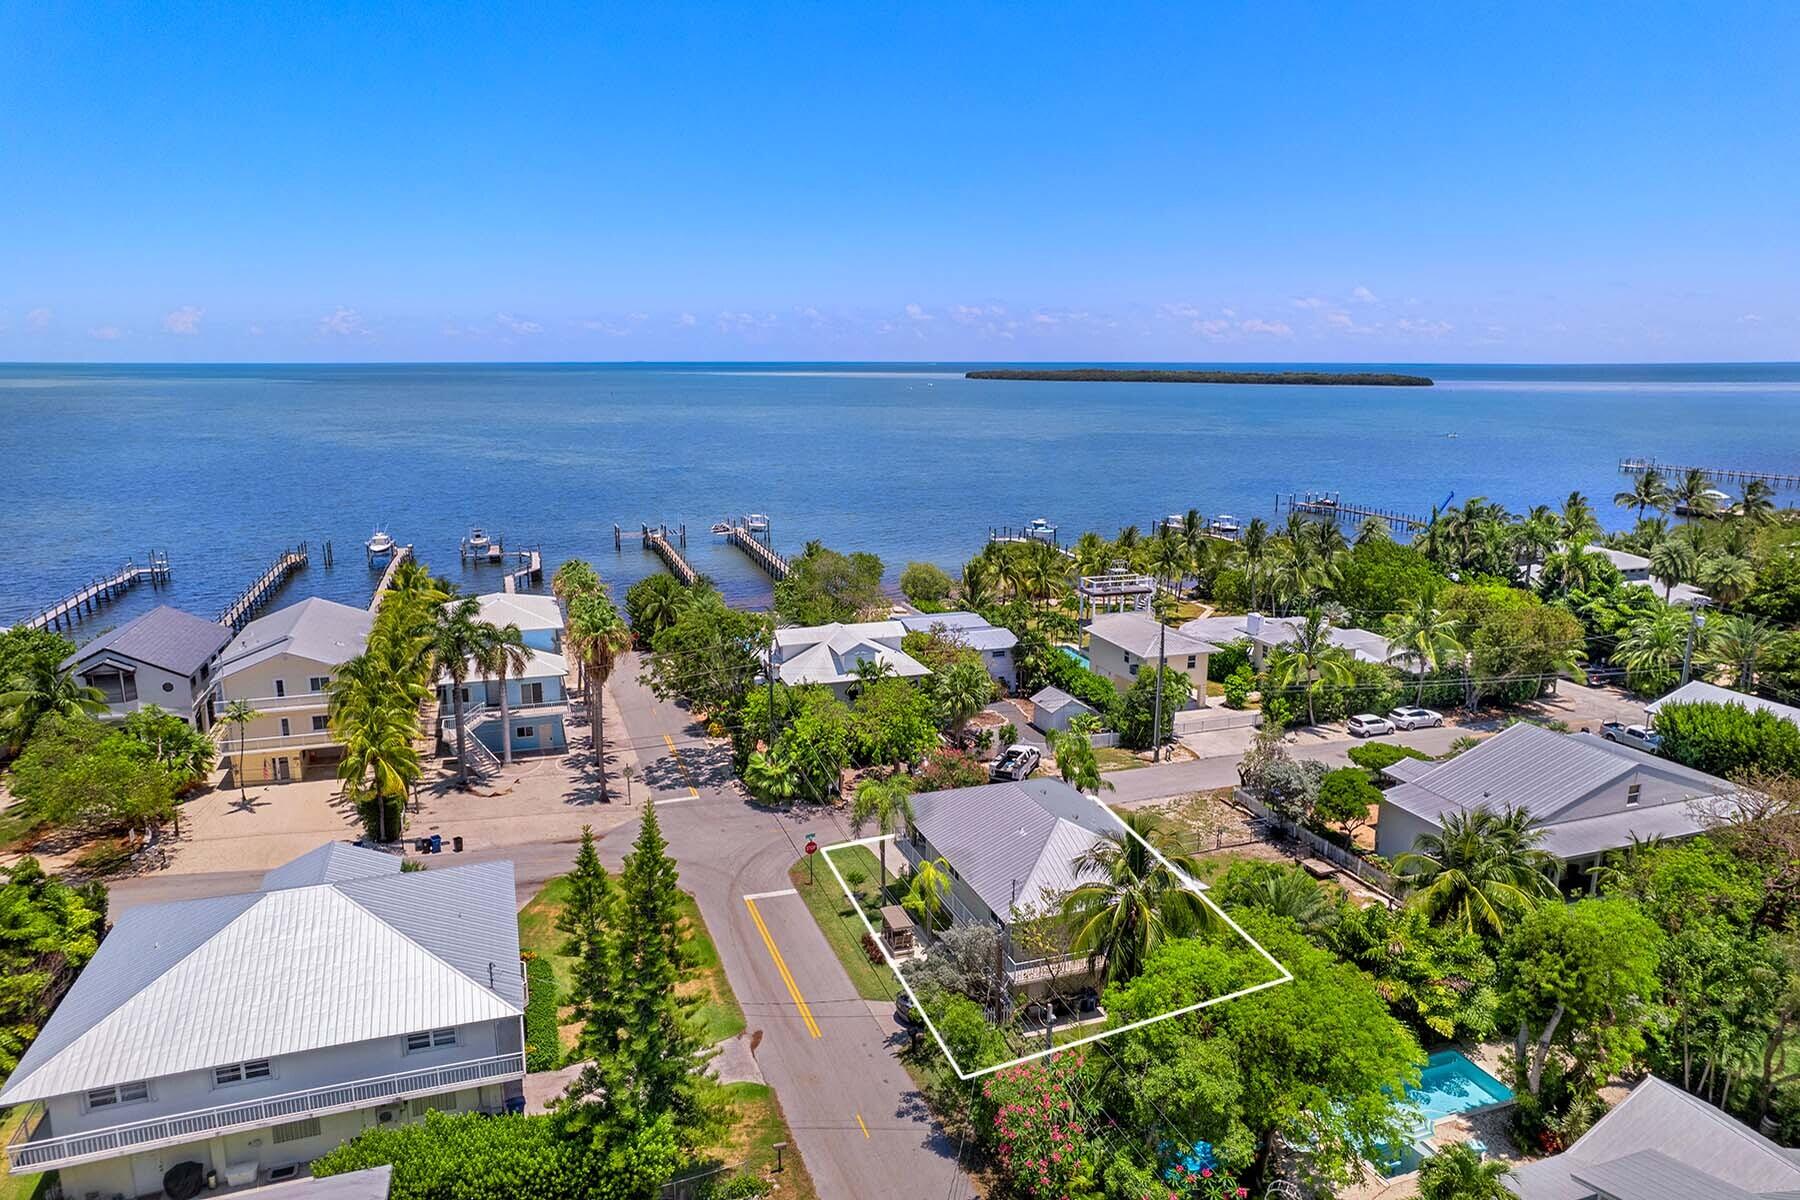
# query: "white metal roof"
(524, 609)
(835, 661)
(1012, 842)
(316, 629)
(542, 665)
(331, 863)
(1142, 635)
(195, 984)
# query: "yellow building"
(281, 665)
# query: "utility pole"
(771, 683)
(1162, 635)
(1687, 651)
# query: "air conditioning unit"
(387, 1115)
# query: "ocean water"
(223, 466)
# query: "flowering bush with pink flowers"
(1208, 1183)
(1037, 1133)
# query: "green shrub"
(1373, 756)
(1228, 660)
(735, 1187)
(1238, 686)
(926, 585)
(543, 1047)
(1729, 739)
(1137, 715)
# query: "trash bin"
(456, 843)
(422, 845)
(437, 843)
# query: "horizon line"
(898, 362)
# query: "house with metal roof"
(829, 655)
(1636, 569)
(165, 657)
(1012, 850)
(1661, 1143)
(1586, 795)
(281, 665)
(539, 618)
(1052, 709)
(1696, 692)
(1265, 633)
(1120, 644)
(994, 643)
(238, 1037)
(536, 708)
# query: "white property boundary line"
(1191, 884)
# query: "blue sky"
(1207, 182)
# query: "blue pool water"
(1077, 655)
(1449, 1084)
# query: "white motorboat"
(756, 523)
(379, 545)
(1040, 530)
(1224, 524)
(478, 538)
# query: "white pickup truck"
(1638, 737)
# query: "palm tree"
(44, 690)
(1647, 491)
(574, 578)
(1456, 1172)
(1310, 661)
(1478, 871)
(1253, 543)
(1290, 892)
(456, 638)
(1727, 578)
(1169, 557)
(1741, 643)
(381, 758)
(886, 802)
(1077, 764)
(502, 652)
(1578, 522)
(1693, 494)
(1129, 902)
(239, 713)
(1619, 867)
(1044, 571)
(930, 891)
(600, 636)
(1651, 646)
(1428, 635)
(1374, 529)
(977, 583)
(1758, 503)
(1673, 561)
(1091, 553)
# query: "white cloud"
(1213, 328)
(686, 320)
(517, 325)
(1308, 302)
(1271, 328)
(38, 318)
(916, 313)
(744, 321)
(343, 322)
(256, 331)
(104, 333)
(1180, 312)
(1425, 328)
(1363, 295)
(184, 320)
(1750, 319)
(609, 328)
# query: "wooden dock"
(1778, 479)
(1332, 506)
(69, 611)
(660, 539)
(760, 552)
(401, 554)
(529, 573)
(237, 614)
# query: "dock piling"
(84, 601)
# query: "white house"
(1708, 693)
(240, 1037)
(537, 705)
(539, 618)
(1636, 569)
(1266, 633)
(165, 657)
(1587, 795)
(993, 643)
(829, 655)
(1119, 644)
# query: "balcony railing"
(27, 1153)
(228, 741)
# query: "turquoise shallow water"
(223, 465)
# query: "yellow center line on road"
(865, 1128)
(693, 791)
(786, 977)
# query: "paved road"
(1142, 785)
(861, 1127)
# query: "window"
(999, 654)
(284, 727)
(168, 687)
(531, 693)
(281, 687)
(430, 1039)
(296, 1131)
(242, 1072)
(1631, 794)
(525, 731)
(124, 1093)
(1191, 662)
(318, 683)
(320, 722)
(1132, 668)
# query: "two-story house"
(165, 657)
(236, 1038)
(994, 643)
(281, 665)
(1585, 795)
(537, 705)
(831, 655)
(1122, 644)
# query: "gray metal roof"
(1653, 1175)
(316, 629)
(922, 622)
(1143, 635)
(372, 1184)
(1708, 693)
(192, 984)
(1052, 699)
(1275, 631)
(1730, 1157)
(331, 863)
(1012, 842)
(176, 641)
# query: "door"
(282, 773)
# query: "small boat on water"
(1225, 525)
(478, 538)
(1174, 522)
(1040, 530)
(1713, 502)
(380, 544)
(756, 523)
(721, 527)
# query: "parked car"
(1369, 725)
(1638, 737)
(1016, 763)
(1408, 716)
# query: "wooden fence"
(1382, 881)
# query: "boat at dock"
(478, 538)
(756, 523)
(380, 544)
(1225, 525)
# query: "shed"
(1052, 709)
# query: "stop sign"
(812, 847)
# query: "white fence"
(1331, 852)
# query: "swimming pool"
(1449, 1084)
(1076, 654)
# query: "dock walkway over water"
(530, 570)
(93, 595)
(740, 534)
(237, 614)
(1779, 479)
(401, 554)
(1332, 506)
(660, 539)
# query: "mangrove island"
(1102, 375)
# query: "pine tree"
(587, 918)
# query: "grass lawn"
(759, 1125)
(718, 1013)
(1117, 758)
(16, 1187)
(837, 916)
